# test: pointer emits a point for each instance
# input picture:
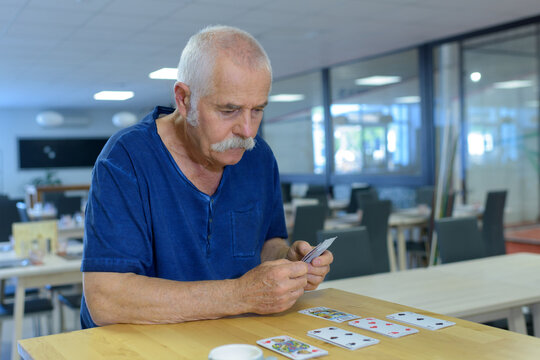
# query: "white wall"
(16, 123)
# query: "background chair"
(351, 250)
(363, 195)
(8, 215)
(424, 195)
(493, 223)
(375, 218)
(286, 192)
(308, 219)
(459, 239)
(418, 250)
(318, 192)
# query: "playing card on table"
(292, 348)
(344, 338)
(383, 327)
(318, 250)
(424, 321)
(325, 313)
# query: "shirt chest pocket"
(246, 231)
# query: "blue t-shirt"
(145, 217)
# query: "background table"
(480, 290)
(54, 271)
(194, 340)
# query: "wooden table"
(194, 340)
(55, 271)
(479, 290)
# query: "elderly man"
(184, 218)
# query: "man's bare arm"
(271, 287)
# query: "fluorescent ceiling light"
(512, 84)
(378, 80)
(164, 73)
(475, 76)
(113, 95)
(286, 97)
(407, 99)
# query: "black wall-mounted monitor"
(59, 153)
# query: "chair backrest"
(286, 192)
(8, 215)
(21, 209)
(308, 219)
(424, 195)
(318, 192)
(459, 239)
(375, 218)
(362, 195)
(493, 223)
(351, 250)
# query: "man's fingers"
(326, 258)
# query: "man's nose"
(245, 125)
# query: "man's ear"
(182, 97)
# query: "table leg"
(18, 316)
(516, 321)
(402, 261)
(391, 251)
(535, 312)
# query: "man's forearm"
(128, 298)
(274, 249)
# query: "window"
(376, 116)
(293, 124)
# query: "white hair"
(198, 58)
(234, 142)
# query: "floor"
(523, 239)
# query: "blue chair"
(459, 239)
(308, 220)
(493, 223)
(351, 250)
(375, 218)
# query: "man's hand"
(273, 286)
(319, 267)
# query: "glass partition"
(293, 124)
(376, 116)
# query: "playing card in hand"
(318, 250)
(343, 338)
(292, 348)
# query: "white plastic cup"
(236, 352)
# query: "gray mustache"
(234, 143)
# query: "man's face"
(234, 108)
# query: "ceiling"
(57, 53)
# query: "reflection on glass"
(500, 124)
(376, 116)
(293, 124)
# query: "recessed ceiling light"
(475, 76)
(512, 84)
(378, 80)
(407, 99)
(286, 97)
(164, 73)
(113, 95)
